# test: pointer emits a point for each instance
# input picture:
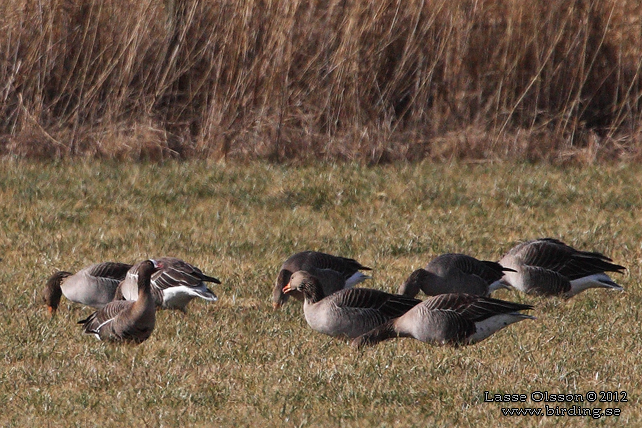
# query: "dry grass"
(236, 362)
(370, 81)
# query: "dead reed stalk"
(373, 81)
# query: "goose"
(330, 280)
(127, 320)
(449, 319)
(349, 268)
(455, 273)
(93, 285)
(349, 312)
(549, 267)
(174, 285)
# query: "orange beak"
(287, 288)
(52, 310)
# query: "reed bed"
(540, 80)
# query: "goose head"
(279, 297)
(147, 269)
(413, 284)
(307, 284)
(52, 293)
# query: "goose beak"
(52, 310)
(287, 288)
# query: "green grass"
(237, 362)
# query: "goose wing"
(111, 270)
(346, 266)
(99, 318)
(487, 270)
(546, 253)
(473, 308)
(176, 272)
(555, 255)
(389, 305)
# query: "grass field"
(237, 362)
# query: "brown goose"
(455, 273)
(173, 286)
(349, 312)
(453, 319)
(348, 268)
(549, 267)
(93, 286)
(126, 320)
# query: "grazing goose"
(349, 268)
(126, 320)
(549, 267)
(455, 273)
(453, 319)
(349, 312)
(173, 286)
(331, 281)
(93, 286)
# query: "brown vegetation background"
(552, 80)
